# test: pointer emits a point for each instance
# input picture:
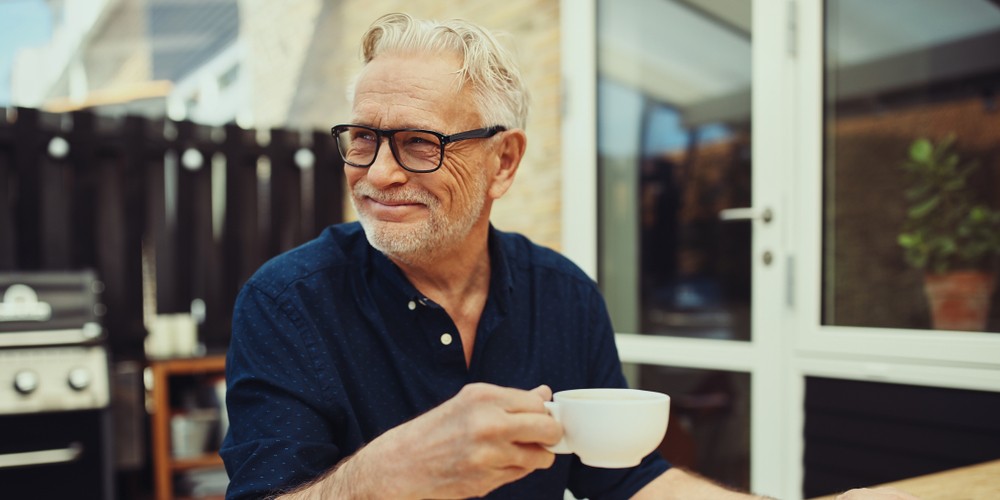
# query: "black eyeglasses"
(416, 150)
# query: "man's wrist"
(355, 477)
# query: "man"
(409, 356)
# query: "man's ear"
(508, 156)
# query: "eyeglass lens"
(418, 151)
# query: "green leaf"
(908, 240)
(979, 213)
(955, 184)
(917, 191)
(924, 208)
(947, 246)
(921, 151)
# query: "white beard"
(420, 241)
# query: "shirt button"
(446, 338)
(412, 305)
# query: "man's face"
(415, 215)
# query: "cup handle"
(562, 446)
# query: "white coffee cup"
(610, 428)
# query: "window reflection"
(674, 151)
(709, 427)
(903, 77)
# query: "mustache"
(363, 189)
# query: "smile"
(392, 210)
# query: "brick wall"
(304, 53)
(276, 35)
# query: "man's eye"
(364, 136)
(419, 140)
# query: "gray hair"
(488, 67)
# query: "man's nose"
(385, 170)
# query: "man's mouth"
(392, 210)
(392, 203)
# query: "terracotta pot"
(960, 300)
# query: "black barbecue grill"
(55, 432)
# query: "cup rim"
(644, 396)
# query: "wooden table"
(973, 482)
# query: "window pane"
(674, 150)
(709, 427)
(901, 210)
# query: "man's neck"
(457, 280)
(452, 273)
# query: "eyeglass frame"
(479, 133)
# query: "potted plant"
(951, 234)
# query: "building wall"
(303, 54)
(119, 55)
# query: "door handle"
(42, 457)
(746, 213)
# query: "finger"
(512, 473)
(533, 428)
(528, 457)
(543, 391)
(533, 456)
(520, 401)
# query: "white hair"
(487, 66)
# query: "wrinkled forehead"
(407, 89)
(442, 69)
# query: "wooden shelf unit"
(164, 463)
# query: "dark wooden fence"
(208, 205)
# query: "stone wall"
(304, 53)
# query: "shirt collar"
(501, 277)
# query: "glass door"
(687, 194)
(674, 138)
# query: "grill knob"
(25, 381)
(79, 379)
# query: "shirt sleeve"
(606, 371)
(280, 434)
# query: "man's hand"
(484, 437)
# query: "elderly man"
(409, 356)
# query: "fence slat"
(27, 217)
(286, 192)
(328, 187)
(8, 188)
(123, 183)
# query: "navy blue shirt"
(332, 346)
